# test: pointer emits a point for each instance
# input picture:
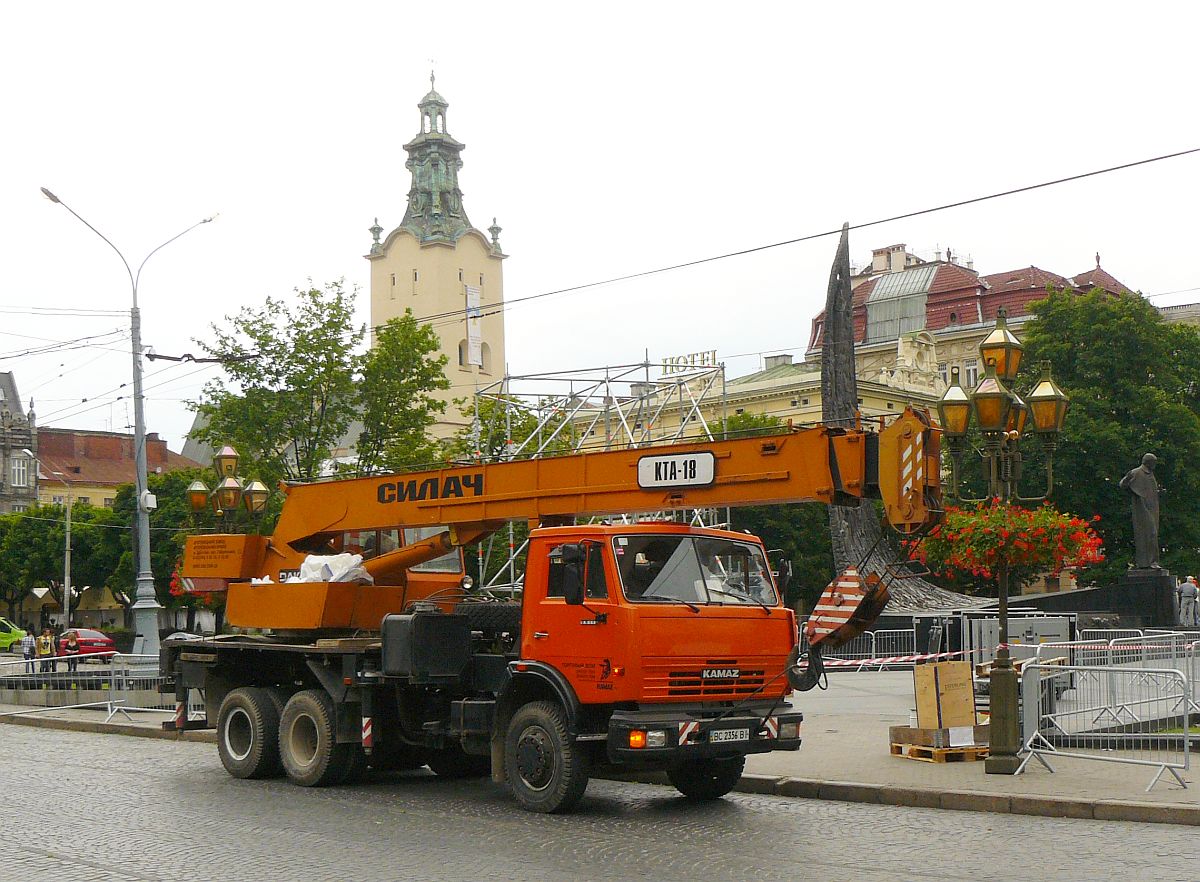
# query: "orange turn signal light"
(637, 738)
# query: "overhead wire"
(457, 314)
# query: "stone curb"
(800, 788)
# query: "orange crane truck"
(650, 645)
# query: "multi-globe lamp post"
(229, 492)
(1003, 419)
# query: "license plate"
(722, 735)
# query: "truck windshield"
(698, 569)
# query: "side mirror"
(782, 569)
(573, 557)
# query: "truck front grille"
(702, 678)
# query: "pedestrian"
(70, 648)
(1189, 591)
(45, 651)
(29, 650)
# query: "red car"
(90, 642)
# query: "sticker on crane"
(367, 738)
(687, 730)
(912, 463)
(772, 726)
(677, 470)
(180, 714)
(837, 604)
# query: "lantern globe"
(229, 493)
(1048, 403)
(254, 497)
(1002, 347)
(991, 401)
(197, 494)
(226, 462)
(954, 408)
(1018, 416)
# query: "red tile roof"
(1098, 278)
(105, 458)
(1025, 278)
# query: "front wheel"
(546, 770)
(704, 779)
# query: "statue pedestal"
(1152, 594)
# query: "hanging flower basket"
(976, 541)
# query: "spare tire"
(491, 617)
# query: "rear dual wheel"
(308, 743)
(248, 733)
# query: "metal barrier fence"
(872, 647)
(1122, 714)
(109, 678)
(1089, 634)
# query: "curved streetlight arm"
(58, 201)
(137, 276)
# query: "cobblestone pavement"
(104, 807)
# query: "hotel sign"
(681, 364)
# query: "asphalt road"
(106, 807)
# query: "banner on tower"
(474, 334)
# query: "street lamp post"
(1001, 416)
(146, 605)
(66, 542)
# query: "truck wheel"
(491, 617)
(707, 778)
(308, 740)
(248, 734)
(546, 770)
(454, 762)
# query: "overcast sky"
(605, 138)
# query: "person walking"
(70, 648)
(29, 650)
(1189, 592)
(45, 651)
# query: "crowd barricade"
(1109, 713)
(1088, 635)
(109, 679)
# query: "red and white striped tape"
(180, 714)
(368, 739)
(889, 660)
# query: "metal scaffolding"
(609, 408)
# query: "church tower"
(438, 265)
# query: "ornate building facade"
(18, 433)
(436, 263)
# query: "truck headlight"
(466, 583)
(656, 738)
(789, 731)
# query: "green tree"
(290, 393)
(398, 373)
(799, 530)
(1134, 385)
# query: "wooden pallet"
(940, 754)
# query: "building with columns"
(18, 433)
(438, 265)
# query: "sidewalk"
(846, 757)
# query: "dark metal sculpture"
(1142, 487)
(856, 530)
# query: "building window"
(804, 402)
(795, 401)
(971, 369)
(393, 280)
(481, 279)
(740, 410)
(109, 501)
(954, 318)
(20, 471)
(942, 372)
(84, 500)
(58, 500)
(891, 406)
(416, 276)
(17, 507)
(460, 275)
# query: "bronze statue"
(1143, 488)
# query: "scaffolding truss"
(609, 408)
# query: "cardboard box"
(960, 737)
(945, 695)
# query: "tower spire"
(435, 211)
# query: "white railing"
(109, 678)
(1119, 714)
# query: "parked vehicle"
(10, 636)
(91, 641)
(656, 646)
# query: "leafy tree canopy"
(1134, 384)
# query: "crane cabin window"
(596, 583)
(693, 569)
(450, 562)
